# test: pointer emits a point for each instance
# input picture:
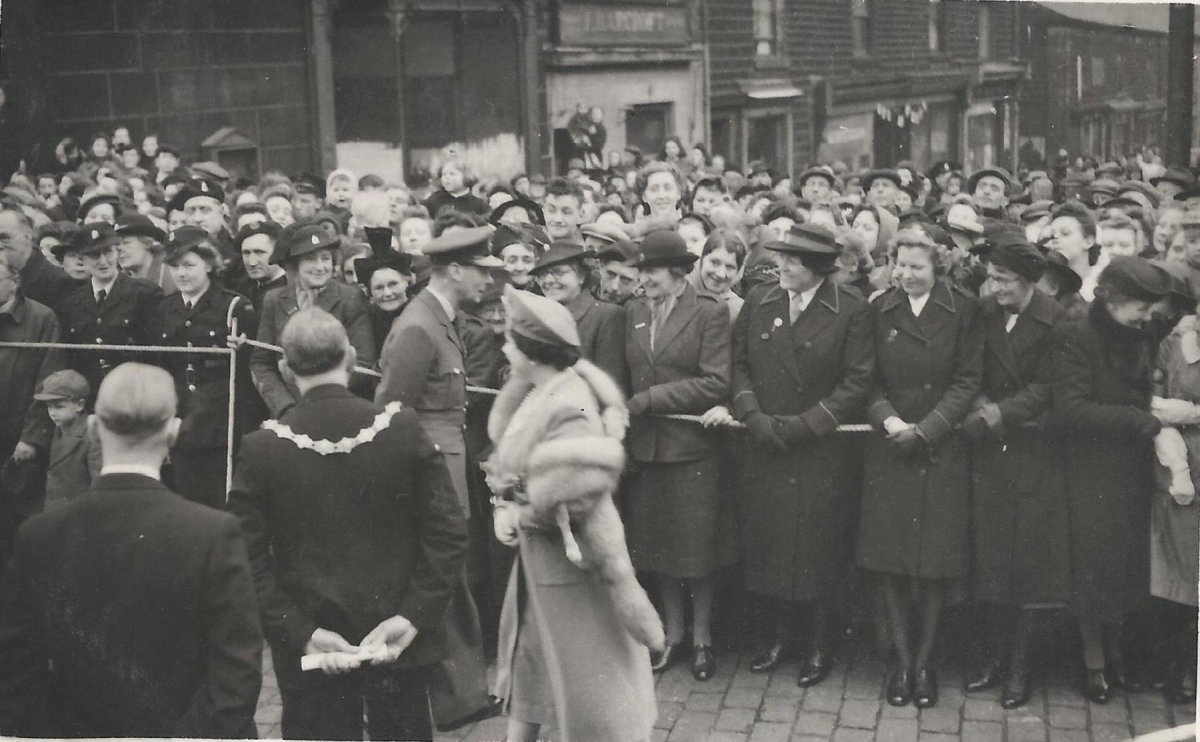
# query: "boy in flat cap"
(75, 458)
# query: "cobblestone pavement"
(739, 706)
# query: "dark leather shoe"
(1095, 688)
(1181, 688)
(494, 707)
(768, 659)
(704, 663)
(1017, 690)
(985, 677)
(900, 687)
(925, 690)
(1120, 676)
(815, 669)
(669, 656)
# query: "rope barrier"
(855, 428)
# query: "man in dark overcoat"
(424, 367)
(356, 543)
(802, 363)
(130, 612)
(41, 280)
(1018, 507)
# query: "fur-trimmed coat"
(560, 443)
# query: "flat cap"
(65, 384)
(816, 172)
(1180, 176)
(874, 175)
(622, 251)
(540, 319)
(1037, 210)
(604, 231)
(995, 172)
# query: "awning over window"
(771, 89)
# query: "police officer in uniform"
(202, 314)
(110, 309)
(424, 367)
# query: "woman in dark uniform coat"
(1101, 416)
(1018, 508)
(561, 274)
(916, 491)
(202, 315)
(677, 348)
(795, 379)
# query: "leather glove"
(976, 427)
(909, 441)
(762, 430)
(1148, 426)
(792, 429)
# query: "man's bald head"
(314, 343)
(136, 402)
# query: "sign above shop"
(622, 24)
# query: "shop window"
(646, 127)
(937, 26)
(1097, 72)
(984, 16)
(766, 139)
(723, 138)
(766, 27)
(365, 68)
(860, 26)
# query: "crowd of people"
(1023, 350)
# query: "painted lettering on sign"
(587, 24)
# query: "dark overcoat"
(124, 318)
(1018, 505)
(344, 540)
(794, 504)
(345, 302)
(129, 612)
(915, 508)
(1101, 416)
(601, 335)
(686, 373)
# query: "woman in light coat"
(575, 623)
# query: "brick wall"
(183, 69)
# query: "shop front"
(622, 75)
(760, 124)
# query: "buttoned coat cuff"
(820, 420)
(934, 427)
(744, 403)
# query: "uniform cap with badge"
(293, 243)
(465, 246)
(196, 188)
(89, 240)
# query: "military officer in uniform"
(110, 309)
(203, 314)
(423, 364)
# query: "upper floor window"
(985, 30)
(937, 26)
(860, 25)
(766, 28)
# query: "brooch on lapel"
(892, 335)
(777, 323)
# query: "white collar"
(145, 471)
(918, 304)
(105, 287)
(443, 301)
(806, 297)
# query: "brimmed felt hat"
(540, 319)
(622, 251)
(466, 246)
(663, 248)
(1191, 191)
(560, 253)
(807, 241)
(1111, 168)
(531, 208)
(1068, 280)
(1135, 278)
(873, 175)
(996, 172)
(400, 262)
(65, 384)
(604, 231)
(1139, 186)
(1180, 176)
(91, 238)
(293, 243)
(939, 169)
(1120, 202)
(95, 200)
(139, 225)
(1016, 254)
(816, 172)
(1105, 186)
